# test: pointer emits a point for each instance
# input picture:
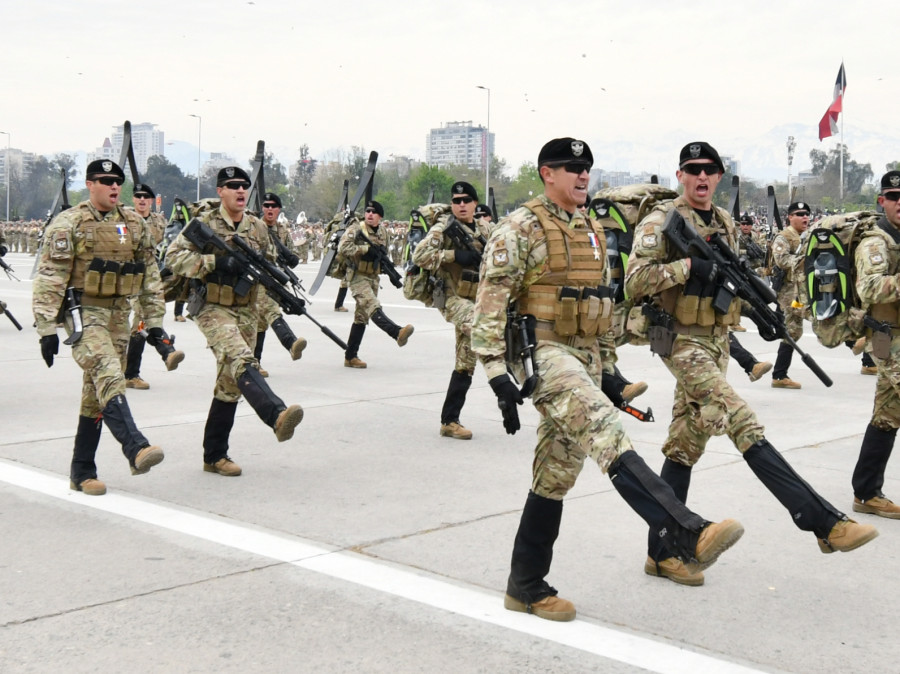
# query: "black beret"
(143, 188)
(271, 196)
(890, 181)
(230, 173)
(561, 150)
(462, 187)
(483, 209)
(104, 167)
(798, 206)
(375, 205)
(700, 150)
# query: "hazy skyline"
(635, 80)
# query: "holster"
(661, 332)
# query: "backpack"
(830, 274)
(418, 284)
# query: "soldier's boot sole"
(877, 506)
(92, 487)
(297, 348)
(356, 363)
(632, 391)
(548, 608)
(404, 335)
(173, 359)
(715, 539)
(759, 370)
(287, 421)
(673, 569)
(146, 459)
(224, 466)
(847, 535)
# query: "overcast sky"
(637, 80)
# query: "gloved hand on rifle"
(292, 260)
(467, 258)
(3, 250)
(49, 348)
(371, 253)
(508, 397)
(703, 270)
(226, 264)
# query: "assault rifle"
(382, 259)
(734, 279)
(4, 310)
(461, 239)
(256, 269)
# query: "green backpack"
(830, 274)
(418, 284)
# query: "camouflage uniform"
(787, 253)
(705, 404)
(69, 244)
(877, 262)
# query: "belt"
(700, 330)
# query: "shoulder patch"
(649, 240)
(501, 255)
(876, 258)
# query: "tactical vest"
(460, 281)
(220, 288)
(693, 311)
(104, 265)
(569, 300)
(370, 267)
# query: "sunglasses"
(462, 200)
(697, 169)
(142, 196)
(109, 181)
(236, 185)
(576, 167)
(270, 205)
(891, 196)
(801, 214)
(371, 210)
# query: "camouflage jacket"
(653, 266)
(515, 258)
(184, 259)
(64, 240)
(787, 253)
(157, 223)
(435, 251)
(352, 249)
(877, 262)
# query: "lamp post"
(6, 171)
(791, 146)
(487, 147)
(199, 132)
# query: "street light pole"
(487, 146)
(791, 146)
(199, 135)
(6, 170)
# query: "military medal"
(595, 245)
(122, 230)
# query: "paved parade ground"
(368, 543)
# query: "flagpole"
(843, 87)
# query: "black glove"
(371, 253)
(3, 250)
(467, 258)
(226, 264)
(703, 270)
(49, 348)
(292, 261)
(508, 397)
(610, 385)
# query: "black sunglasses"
(462, 200)
(801, 214)
(891, 196)
(576, 167)
(270, 205)
(697, 169)
(109, 181)
(371, 210)
(236, 185)
(142, 196)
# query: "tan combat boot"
(355, 362)
(137, 383)
(173, 359)
(759, 370)
(287, 421)
(673, 569)
(847, 535)
(877, 505)
(146, 459)
(297, 348)
(403, 335)
(715, 539)
(92, 487)
(548, 608)
(223, 466)
(632, 391)
(456, 430)
(787, 382)
(870, 370)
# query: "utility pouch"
(686, 308)
(661, 332)
(439, 296)
(566, 323)
(226, 295)
(109, 279)
(92, 277)
(125, 282)
(590, 311)
(212, 292)
(139, 269)
(881, 345)
(468, 284)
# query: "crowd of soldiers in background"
(309, 240)
(22, 236)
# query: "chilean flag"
(828, 125)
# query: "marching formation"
(541, 298)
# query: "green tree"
(828, 166)
(168, 181)
(526, 185)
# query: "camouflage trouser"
(793, 316)
(886, 410)
(268, 310)
(137, 313)
(705, 404)
(365, 294)
(461, 312)
(101, 355)
(577, 420)
(303, 253)
(231, 334)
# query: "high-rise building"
(19, 164)
(459, 144)
(146, 140)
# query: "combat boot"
(526, 589)
(339, 300)
(219, 423)
(83, 471)
(357, 330)
(847, 535)
(137, 383)
(289, 341)
(453, 404)
(786, 382)
(868, 369)
(877, 505)
(133, 357)
(141, 455)
(632, 391)
(783, 360)
(400, 335)
(673, 569)
(224, 466)
(268, 406)
(758, 370)
(659, 562)
(165, 347)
